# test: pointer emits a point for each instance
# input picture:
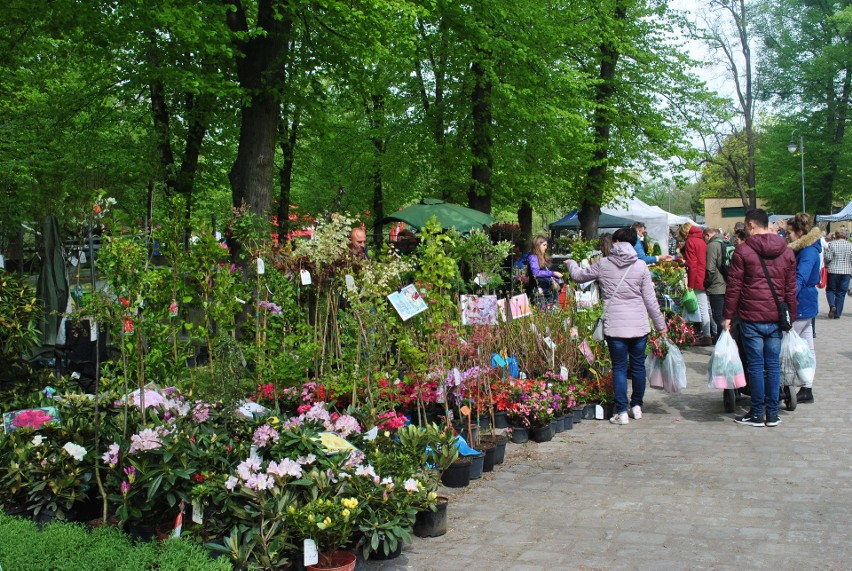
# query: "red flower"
(33, 418)
(198, 477)
(124, 301)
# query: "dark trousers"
(717, 309)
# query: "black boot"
(805, 394)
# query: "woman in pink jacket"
(629, 299)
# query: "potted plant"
(330, 522)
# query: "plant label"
(305, 277)
(599, 412)
(74, 261)
(465, 410)
(2, 267)
(197, 512)
(261, 267)
(549, 343)
(575, 333)
(93, 331)
(563, 372)
(82, 257)
(311, 553)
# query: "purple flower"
(125, 487)
(111, 455)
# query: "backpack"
(727, 252)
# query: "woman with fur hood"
(804, 239)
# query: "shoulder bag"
(598, 331)
(784, 321)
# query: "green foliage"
(20, 311)
(72, 546)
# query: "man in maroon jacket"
(748, 295)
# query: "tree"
(727, 32)
(806, 72)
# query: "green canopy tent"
(449, 216)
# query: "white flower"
(75, 450)
(38, 439)
(231, 483)
(410, 485)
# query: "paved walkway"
(683, 488)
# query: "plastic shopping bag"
(798, 364)
(725, 370)
(690, 301)
(654, 371)
(674, 369)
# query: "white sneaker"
(636, 412)
(619, 418)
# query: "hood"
(808, 239)
(767, 245)
(622, 255)
(696, 232)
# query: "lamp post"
(793, 147)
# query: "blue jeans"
(623, 352)
(835, 291)
(762, 345)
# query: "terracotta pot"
(340, 561)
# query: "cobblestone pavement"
(683, 488)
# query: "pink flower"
(111, 455)
(410, 485)
(346, 425)
(125, 488)
(263, 435)
(231, 483)
(147, 439)
(34, 418)
(284, 468)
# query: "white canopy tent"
(657, 221)
(843, 215)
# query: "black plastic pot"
(499, 447)
(457, 475)
(569, 421)
(477, 463)
(560, 424)
(520, 435)
(577, 415)
(541, 434)
(589, 412)
(501, 419)
(432, 523)
(489, 448)
(380, 555)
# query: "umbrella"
(572, 221)
(448, 215)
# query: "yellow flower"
(274, 421)
(345, 513)
(311, 518)
(432, 495)
(387, 433)
(327, 521)
(350, 503)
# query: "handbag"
(598, 331)
(784, 321)
(823, 277)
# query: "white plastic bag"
(654, 372)
(725, 369)
(669, 373)
(798, 365)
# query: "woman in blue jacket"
(547, 281)
(804, 239)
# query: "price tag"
(311, 553)
(305, 275)
(261, 267)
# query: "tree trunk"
(288, 136)
(597, 175)
(377, 121)
(261, 61)
(525, 219)
(481, 188)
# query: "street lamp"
(793, 147)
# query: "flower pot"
(569, 421)
(457, 475)
(489, 448)
(485, 421)
(463, 432)
(559, 424)
(380, 555)
(432, 523)
(340, 561)
(477, 463)
(499, 447)
(578, 414)
(501, 419)
(520, 435)
(541, 434)
(589, 412)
